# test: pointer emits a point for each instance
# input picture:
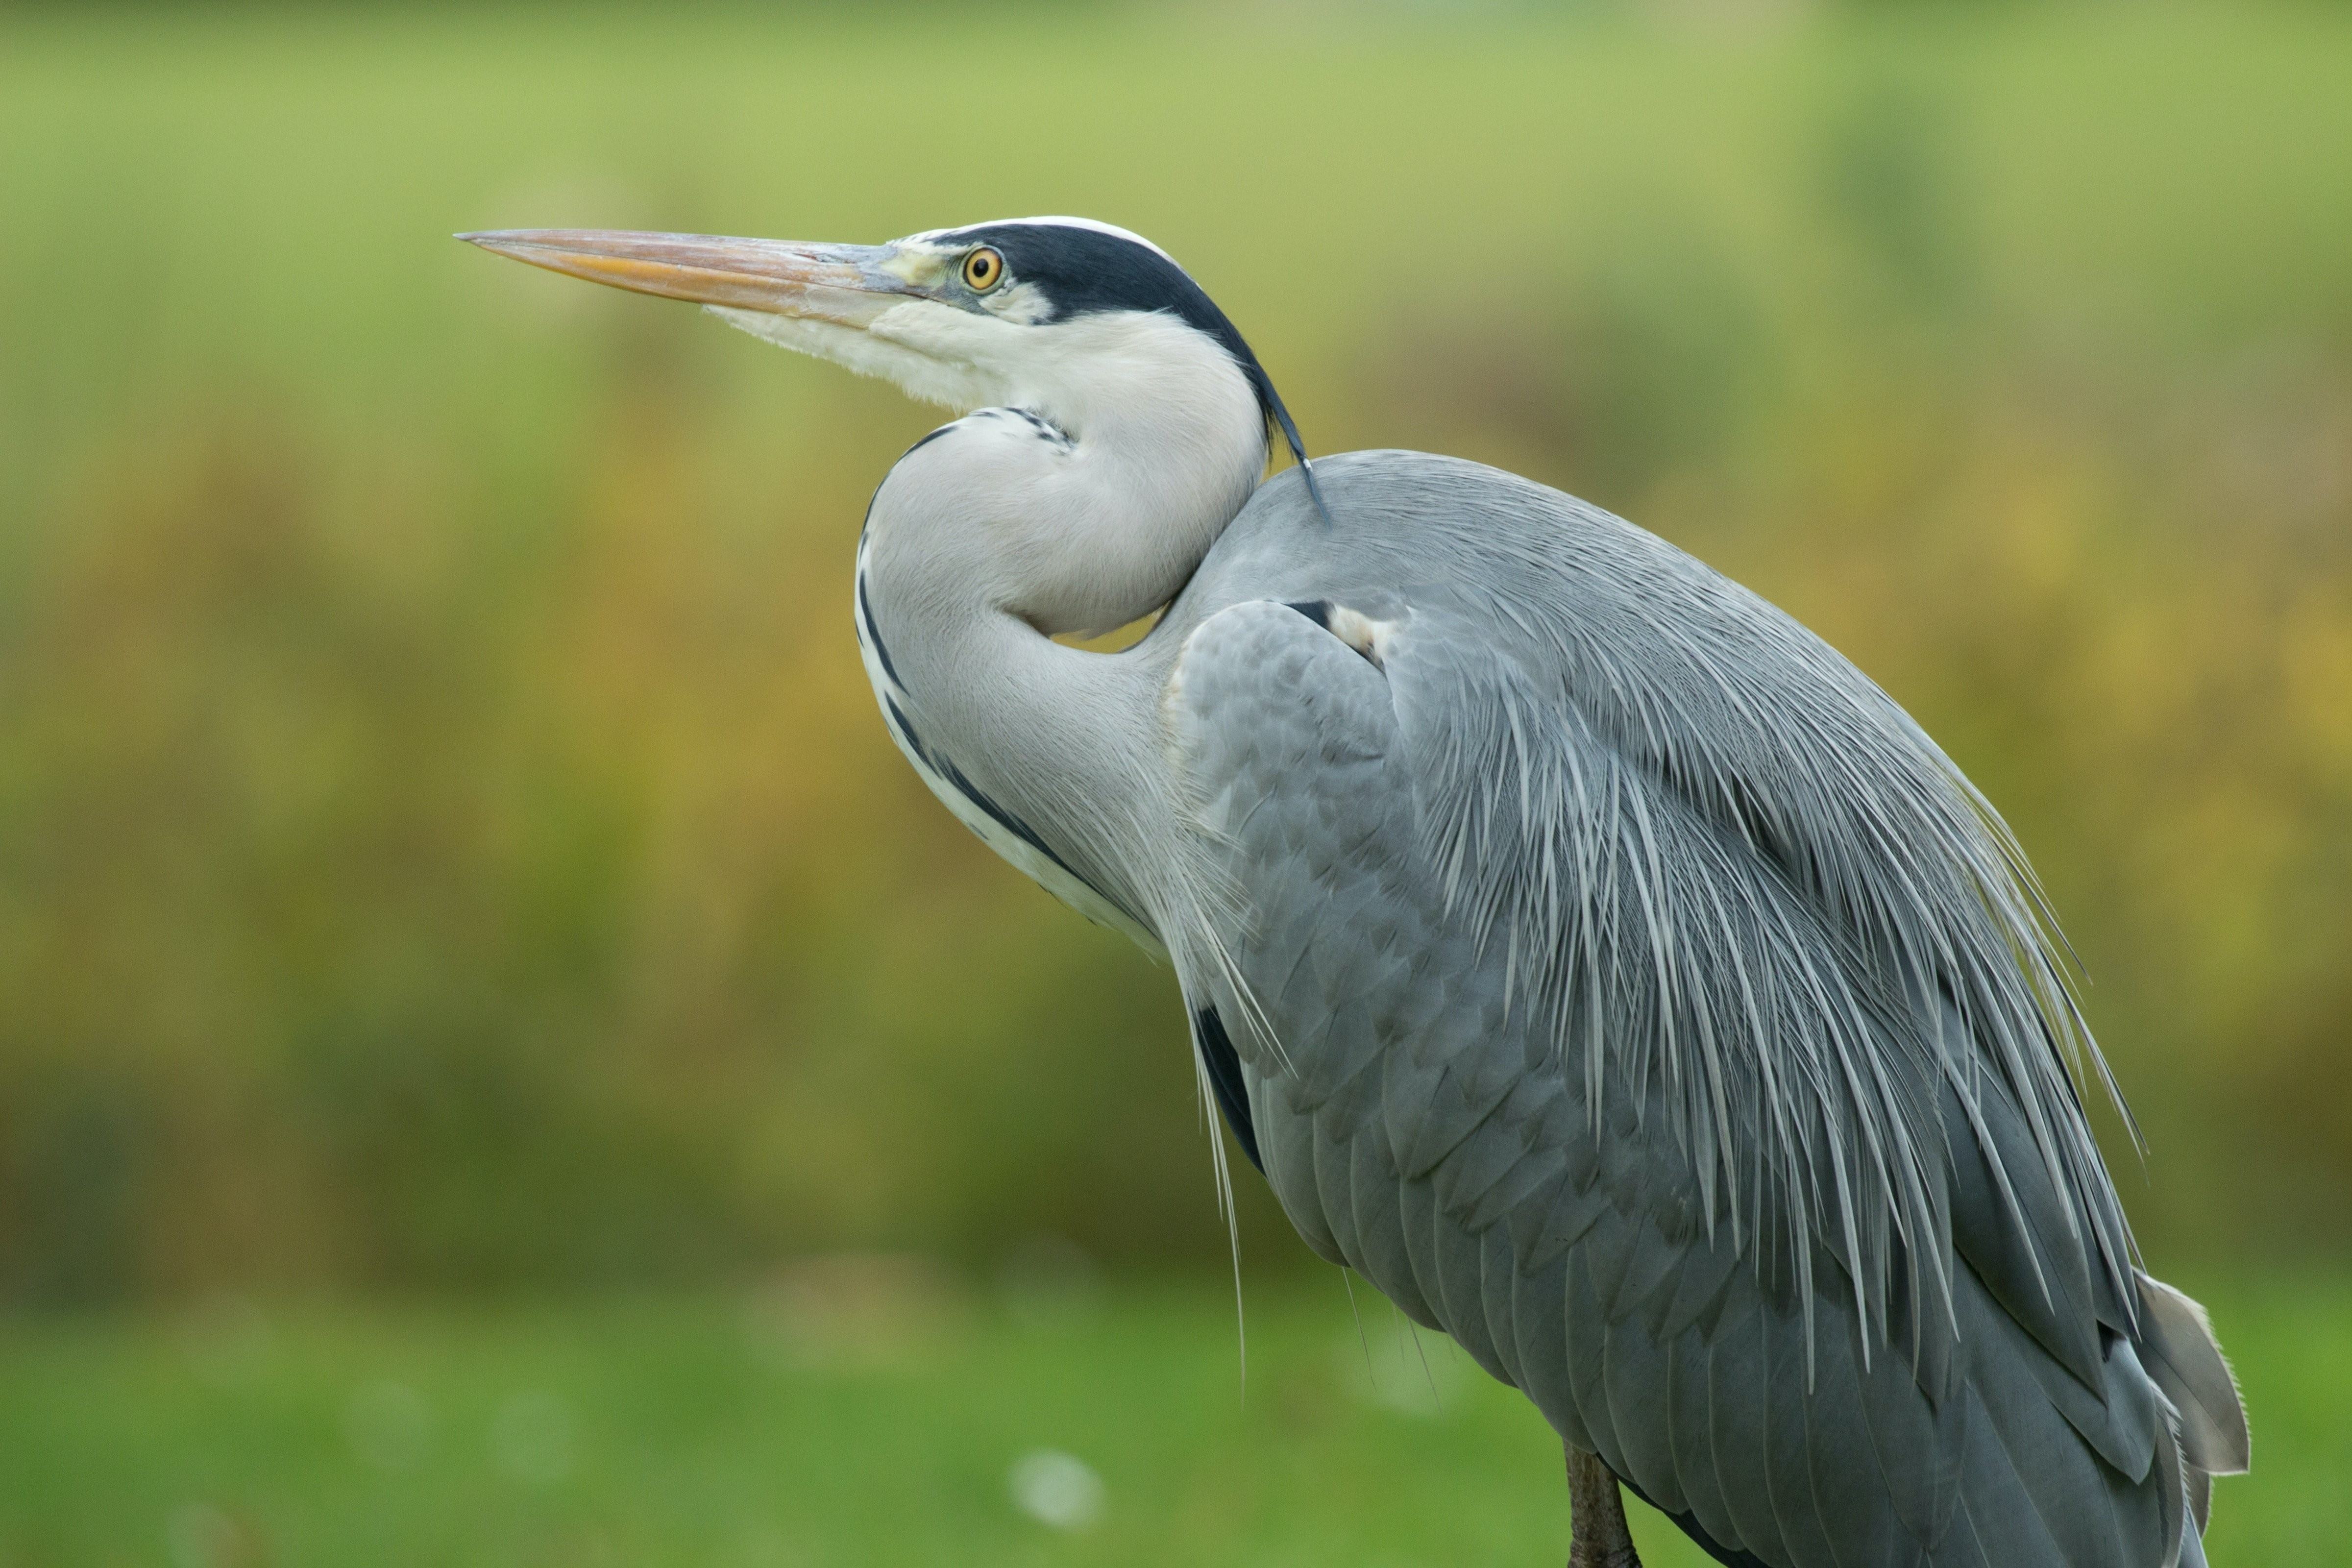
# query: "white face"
(944, 342)
(974, 330)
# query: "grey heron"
(1587, 955)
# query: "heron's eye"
(983, 270)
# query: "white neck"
(1087, 509)
(1155, 440)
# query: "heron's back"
(1630, 989)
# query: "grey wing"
(1930, 1364)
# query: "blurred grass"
(762, 1432)
(756, 1435)
(445, 837)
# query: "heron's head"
(1063, 316)
(1152, 408)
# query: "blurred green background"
(455, 895)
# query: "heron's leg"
(1600, 1539)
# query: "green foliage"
(445, 837)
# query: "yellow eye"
(984, 269)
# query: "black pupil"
(982, 265)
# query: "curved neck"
(1086, 505)
(989, 536)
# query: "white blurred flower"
(1057, 1490)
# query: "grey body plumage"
(1663, 1020)
(1590, 956)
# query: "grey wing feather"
(1675, 1079)
(2185, 1360)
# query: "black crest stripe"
(1085, 271)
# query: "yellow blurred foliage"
(445, 835)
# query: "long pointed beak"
(846, 284)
